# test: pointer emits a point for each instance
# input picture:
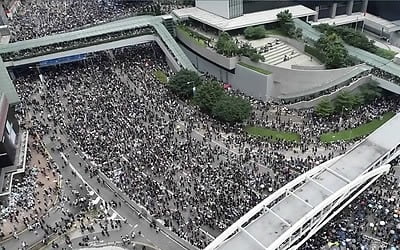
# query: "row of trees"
(228, 47)
(349, 36)
(347, 101)
(210, 97)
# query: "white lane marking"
(84, 181)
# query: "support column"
(349, 9)
(364, 6)
(316, 14)
(333, 10)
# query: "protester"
(191, 172)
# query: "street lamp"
(193, 87)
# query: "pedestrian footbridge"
(369, 58)
(294, 213)
(95, 37)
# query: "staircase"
(276, 53)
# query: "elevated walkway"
(104, 29)
(390, 86)
(371, 59)
(291, 215)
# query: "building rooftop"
(246, 20)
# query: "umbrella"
(398, 226)
(382, 223)
(371, 224)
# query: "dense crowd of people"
(193, 173)
(45, 17)
(196, 175)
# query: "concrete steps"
(277, 52)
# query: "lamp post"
(193, 87)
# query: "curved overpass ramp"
(291, 215)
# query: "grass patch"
(273, 134)
(385, 53)
(358, 132)
(161, 76)
(259, 70)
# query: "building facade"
(8, 133)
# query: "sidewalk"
(45, 195)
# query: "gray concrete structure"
(333, 10)
(291, 83)
(101, 47)
(315, 19)
(364, 6)
(97, 30)
(223, 61)
(246, 80)
(220, 8)
(224, 8)
(390, 86)
(349, 7)
(254, 83)
(312, 103)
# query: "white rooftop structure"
(300, 208)
(341, 19)
(370, 20)
(246, 20)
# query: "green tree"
(344, 102)
(332, 48)
(325, 108)
(349, 36)
(182, 83)
(226, 46)
(231, 109)
(247, 50)
(285, 21)
(285, 18)
(370, 91)
(256, 57)
(207, 95)
(358, 100)
(253, 33)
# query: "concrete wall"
(308, 67)
(395, 88)
(288, 82)
(246, 80)
(331, 96)
(203, 65)
(252, 83)
(225, 62)
(218, 7)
